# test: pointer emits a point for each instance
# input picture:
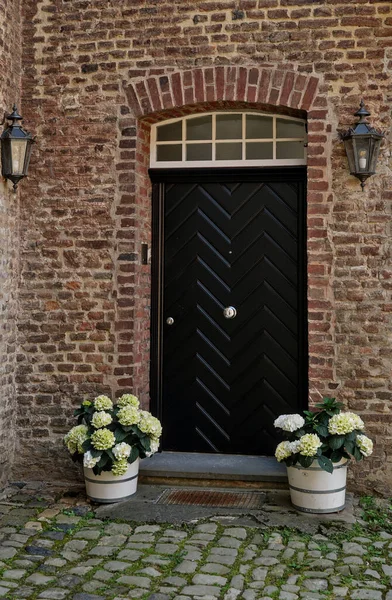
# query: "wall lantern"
(16, 144)
(362, 143)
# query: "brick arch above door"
(253, 85)
(166, 93)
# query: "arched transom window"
(229, 139)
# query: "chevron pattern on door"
(226, 380)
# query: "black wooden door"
(231, 241)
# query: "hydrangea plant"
(326, 435)
(110, 436)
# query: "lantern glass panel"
(29, 147)
(362, 154)
(374, 148)
(349, 146)
(18, 154)
(5, 157)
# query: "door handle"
(170, 320)
(229, 312)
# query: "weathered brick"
(86, 206)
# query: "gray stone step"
(216, 469)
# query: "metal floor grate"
(218, 499)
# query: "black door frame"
(159, 177)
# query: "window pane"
(258, 127)
(170, 132)
(199, 152)
(289, 129)
(255, 150)
(228, 127)
(199, 128)
(289, 150)
(169, 152)
(228, 151)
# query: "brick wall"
(94, 72)
(9, 93)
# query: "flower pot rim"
(316, 467)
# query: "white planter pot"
(106, 488)
(316, 491)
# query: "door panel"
(231, 243)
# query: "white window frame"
(243, 162)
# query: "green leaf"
(110, 454)
(95, 453)
(336, 441)
(120, 435)
(145, 442)
(351, 437)
(336, 456)
(357, 453)
(134, 454)
(87, 445)
(325, 463)
(322, 430)
(350, 446)
(305, 461)
(103, 461)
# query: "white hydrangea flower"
(365, 445)
(101, 419)
(283, 451)
(120, 467)
(103, 439)
(154, 445)
(128, 415)
(289, 422)
(89, 461)
(309, 444)
(149, 424)
(122, 450)
(294, 446)
(345, 422)
(75, 438)
(103, 403)
(128, 400)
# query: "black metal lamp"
(362, 143)
(16, 145)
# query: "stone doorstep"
(217, 470)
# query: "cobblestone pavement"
(57, 549)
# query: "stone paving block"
(7, 552)
(166, 548)
(87, 597)
(215, 568)
(118, 528)
(14, 573)
(186, 566)
(131, 555)
(39, 579)
(203, 579)
(3, 591)
(147, 529)
(201, 590)
(54, 594)
(103, 551)
(88, 534)
(9, 584)
(366, 595)
(135, 580)
(150, 571)
(116, 565)
(227, 542)
(315, 585)
(155, 559)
